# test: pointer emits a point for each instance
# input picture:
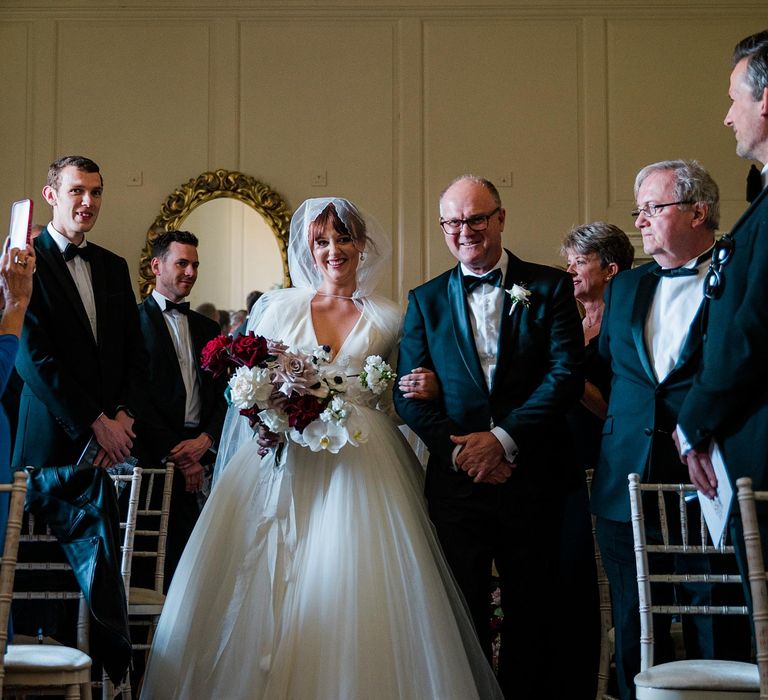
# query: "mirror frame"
(215, 185)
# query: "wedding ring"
(16, 259)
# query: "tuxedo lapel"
(165, 373)
(49, 252)
(750, 210)
(509, 324)
(100, 294)
(198, 342)
(160, 331)
(643, 298)
(462, 328)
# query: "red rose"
(302, 410)
(250, 350)
(215, 356)
(252, 414)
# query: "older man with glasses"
(504, 339)
(650, 335)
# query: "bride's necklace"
(335, 296)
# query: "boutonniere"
(519, 295)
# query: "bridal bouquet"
(292, 393)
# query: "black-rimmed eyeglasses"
(721, 254)
(650, 210)
(476, 223)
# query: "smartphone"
(21, 223)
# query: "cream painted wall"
(566, 100)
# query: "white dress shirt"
(669, 319)
(178, 327)
(486, 304)
(81, 274)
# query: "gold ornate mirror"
(263, 220)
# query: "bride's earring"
(362, 257)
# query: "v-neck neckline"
(343, 342)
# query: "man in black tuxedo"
(651, 337)
(504, 339)
(189, 403)
(82, 362)
(728, 403)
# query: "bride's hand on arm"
(420, 383)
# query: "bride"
(319, 577)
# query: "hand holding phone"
(21, 223)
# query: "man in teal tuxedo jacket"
(651, 336)
(728, 402)
(504, 339)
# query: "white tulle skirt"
(318, 579)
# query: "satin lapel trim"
(197, 345)
(161, 330)
(509, 324)
(749, 210)
(462, 328)
(47, 249)
(643, 298)
(99, 284)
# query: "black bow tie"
(754, 183)
(493, 278)
(182, 308)
(72, 250)
(676, 272)
(684, 271)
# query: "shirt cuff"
(509, 445)
(455, 454)
(685, 446)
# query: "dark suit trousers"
(704, 637)
(184, 512)
(521, 537)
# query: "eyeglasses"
(476, 223)
(721, 254)
(650, 210)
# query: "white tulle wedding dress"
(321, 579)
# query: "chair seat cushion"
(25, 658)
(695, 674)
(145, 596)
